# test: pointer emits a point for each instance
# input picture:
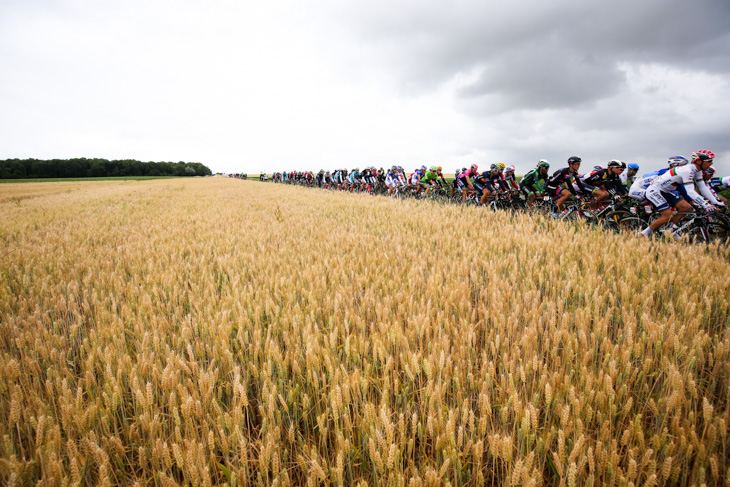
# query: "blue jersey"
(719, 184)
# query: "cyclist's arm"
(706, 192)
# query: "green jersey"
(429, 176)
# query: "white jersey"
(687, 176)
(625, 179)
(645, 181)
(637, 190)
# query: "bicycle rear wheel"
(711, 232)
(623, 221)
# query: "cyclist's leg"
(563, 195)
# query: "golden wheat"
(217, 331)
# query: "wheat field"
(217, 331)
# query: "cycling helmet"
(634, 166)
(614, 163)
(710, 171)
(433, 169)
(574, 159)
(423, 168)
(439, 168)
(510, 169)
(702, 155)
(543, 163)
(677, 161)
(457, 172)
(493, 167)
(500, 165)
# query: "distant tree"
(83, 167)
(97, 169)
(12, 169)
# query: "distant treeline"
(96, 168)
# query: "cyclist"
(638, 188)
(353, 179)
(532, 182)
(464, 183)
(497, 178)
(720, 184)
(510, 180)
(684, 178)
(455, 182)
(391, 180)
(565, 176)
(402, 179)
(715, 184)
(629, 176)
(374, 175)
(606, 182)
(415, 180)
(431, 179)
(484, 184)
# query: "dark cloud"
(541, 55)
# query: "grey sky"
(244, 86)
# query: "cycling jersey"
(684, 179)
(414, 178)
(510, 181)
(483, 178)
(604, 177)
(532, 182)
(390, 180)
(429, 176)
(562, 176)
(719, 184)
(499, 182)
(470, 173)
(638, 188)
(627, 180)
(579, 187)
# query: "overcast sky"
(248, 86)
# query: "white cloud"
(284, 84)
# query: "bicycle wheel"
(582, 214)
(622, 221)
(708, 233)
